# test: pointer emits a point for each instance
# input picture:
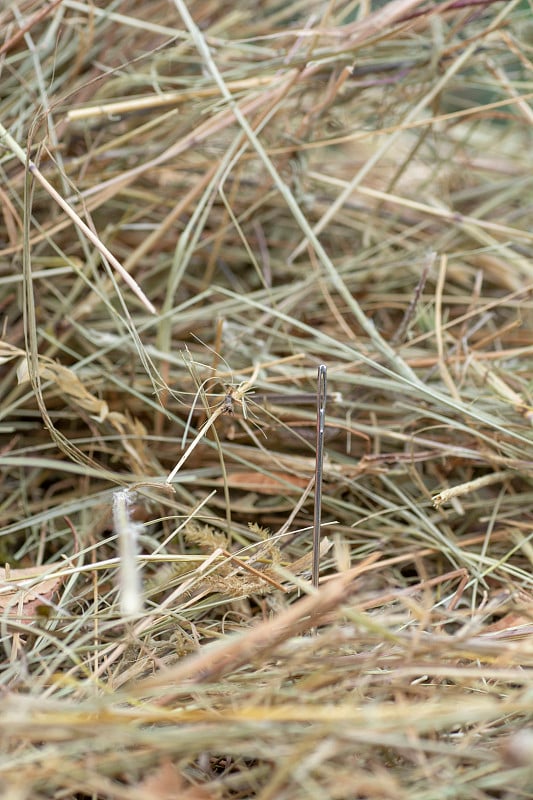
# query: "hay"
(284, 185)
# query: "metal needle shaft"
(321, 397)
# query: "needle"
(321, 396)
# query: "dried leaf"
(22, 591)
(273, 484)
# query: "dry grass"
(284, 184)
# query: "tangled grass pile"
(201, 203)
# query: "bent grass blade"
(237, 396)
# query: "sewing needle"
(321, 396)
